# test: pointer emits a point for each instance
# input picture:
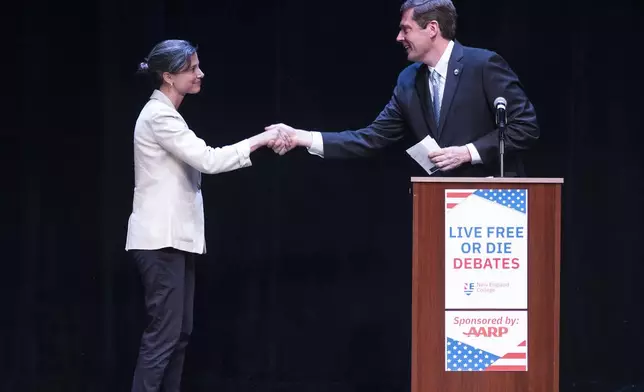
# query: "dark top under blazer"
(475, 78)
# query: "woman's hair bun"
(143, 67)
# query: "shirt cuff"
(243, 152)
(317, 144)
(474, 153)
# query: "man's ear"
(433, 28)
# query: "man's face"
(416, 40)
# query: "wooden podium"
(429, 342)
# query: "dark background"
(306, 286)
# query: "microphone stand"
(501, 120)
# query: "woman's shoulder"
(156, 114)
(155, 108)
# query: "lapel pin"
(456, 72)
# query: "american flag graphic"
(511, 198)
(462, 357)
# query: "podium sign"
(486, 270)
(486, 341)
(486, 249)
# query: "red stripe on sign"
(514, 356)
(505, 368)
(459, 194)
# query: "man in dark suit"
(448, 93)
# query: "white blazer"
(167, 210)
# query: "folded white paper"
(419, 152)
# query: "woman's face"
(188, 81)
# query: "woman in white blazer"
(166, 226)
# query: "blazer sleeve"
(522, 130)
(172, 133)
(386, 129)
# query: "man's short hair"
(442, 11)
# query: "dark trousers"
(168, 276)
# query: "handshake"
(282, 138)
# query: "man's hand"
(292, 137)
(278, 141)
(273, 139)
(450, 158)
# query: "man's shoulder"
(474, 54)
(408, 75)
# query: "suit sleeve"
(522, 130)
(387, 128)
(176, 138)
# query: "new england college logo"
(468, 288)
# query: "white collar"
(443, 62)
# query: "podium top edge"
(490, 180)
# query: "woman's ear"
(167, 78)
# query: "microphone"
(501, 120)
(501, 116)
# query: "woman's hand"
(292, 137)
(278, 141)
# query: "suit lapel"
(454, 71)
(422, 90)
